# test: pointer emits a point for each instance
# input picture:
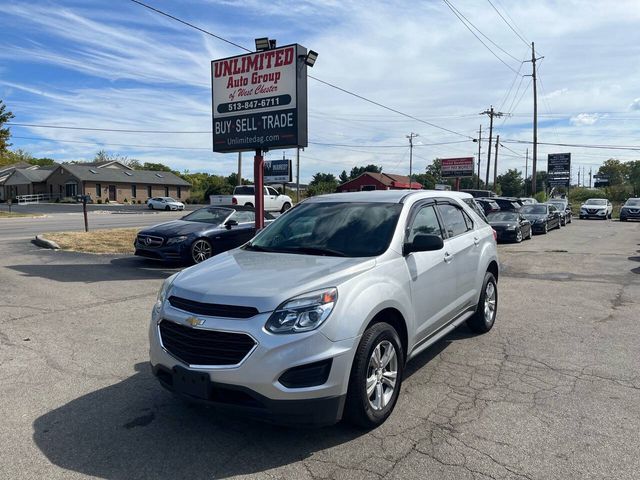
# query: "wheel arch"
(393, 317)
(494, 269)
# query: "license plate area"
(188, 382)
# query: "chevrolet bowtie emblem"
(194, 321)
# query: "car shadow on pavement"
(117, 269)
(135, 429)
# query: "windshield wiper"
(314, 251)
(257, 248)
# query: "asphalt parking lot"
(552, 392)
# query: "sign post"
(259, 103)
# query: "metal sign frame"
(259, 100)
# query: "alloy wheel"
(382, 373)
(200, 251)
(489, 303)
(519, 236)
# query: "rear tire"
(485, 315)
(248, 204)
(376, 377)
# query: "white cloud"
(635, 105)
(585, 119)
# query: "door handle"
(447, 257)
(476, 241)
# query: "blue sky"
(116, 65)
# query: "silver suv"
(315, 318)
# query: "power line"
(460, 17)
(348, 92)
(508, 24)
(119, 130)
(506, 97)
(111, 144)
(604, 147)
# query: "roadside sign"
(600, 180)
(457, 167)
(259, 100)
(559, 169)
(277, 171)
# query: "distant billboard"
(277, 171)
(457, 167)
(600, 181)
(259, 100)
(559, 169)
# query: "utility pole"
(590, 171)
(526, 171)
(239, 179)
(495, 166)
(534, 165)
(411, 136)
(479, 152)
(491, 114)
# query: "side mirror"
(230, 223)
(423, 243)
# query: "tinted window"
(502, 217)
(476, 207)
(424, 223)
(343, 229)
(633, 202)
(246, 190)
(534, 209)
(244, 216)
(214, 216)
(453, 219)
(272, 191)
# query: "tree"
(357, 171)
(615, 170)
(344, 178)
(5, 133)
(104, 156)
(542, 180)
(322, 183)
(157, 167)
(633, 169)
(511, 183)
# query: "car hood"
(534, 216)
(502, 224)
(263, 279)
(584, 205)
(178, 227)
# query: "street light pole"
(411, 136)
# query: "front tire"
(201, 250)
(519, 236)
(285, 207)
(546, 228)
(485, 316)
(150, 206)
(376, 377)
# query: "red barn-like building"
(378, 181)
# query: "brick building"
(378, 181)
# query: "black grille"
(212, 309)
(204, 347)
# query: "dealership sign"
(260, 100)
(277, 171)
(457, 167)
(559, 169)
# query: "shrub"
(99, 201)
(125, 201)
(139, 202)
(106, 200)
(540, 197)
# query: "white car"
(596, 208)
(274, 201)
(164, 203)
(314, 319)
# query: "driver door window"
(424, 223)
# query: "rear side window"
(424, 223)
(454, 220)
(476, 208)
(243, 190)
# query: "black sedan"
(199, 235)
(510, 226)
(488, 205)
(630, 210)
(543, 217)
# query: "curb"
(43, 242)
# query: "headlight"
(162, 296)
(174, 240)
(303, 313)
(511, 228)
(539, 220)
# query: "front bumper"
(592, 214)
(504, 235)
(253, 385)
(538, 227)
(629, 214)
(179, 252)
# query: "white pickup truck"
(245, 195)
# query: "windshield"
(558, 205)
(169, 199)
(633, 202)
(502, 217)
(339, 229)
(534, 209)
(596, 201)
(214, 216)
